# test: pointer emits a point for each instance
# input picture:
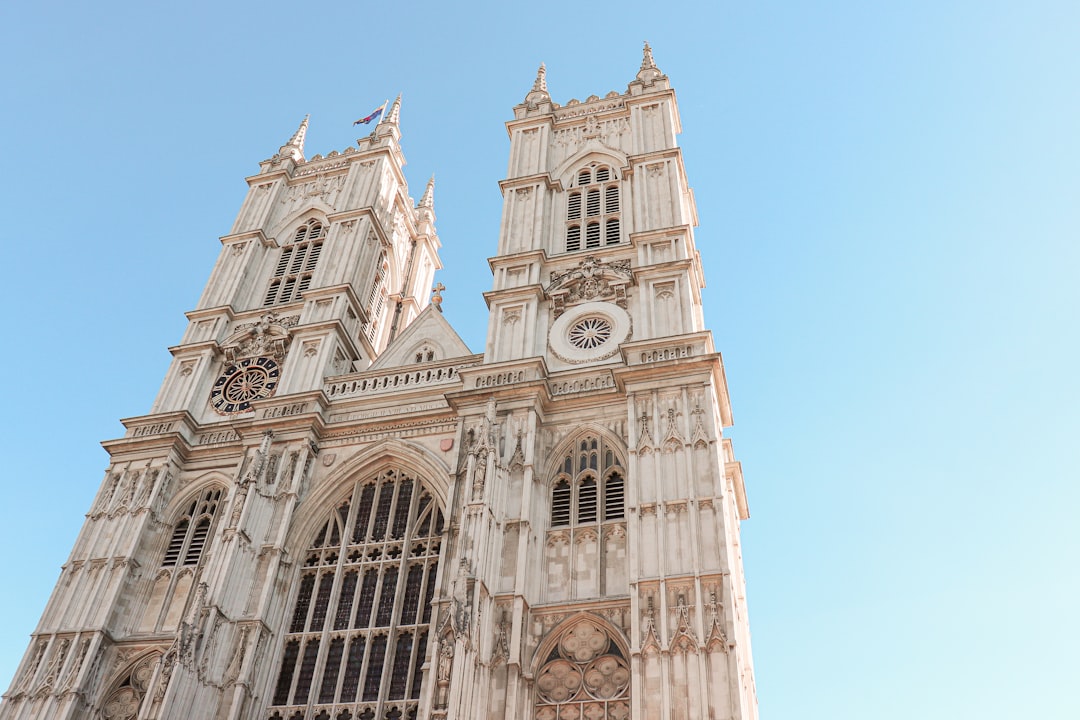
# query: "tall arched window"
(592, 209)
(357, 637)
(187, 545)
(192, 530)
(376, 298)
(292, 274)
(589, 487)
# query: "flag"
(372, 116)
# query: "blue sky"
(888, 198)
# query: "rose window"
(589, 333)
(585, 676)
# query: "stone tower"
(336, 511)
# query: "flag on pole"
(372, 116)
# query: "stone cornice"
(247, 235)
(517, 258)
(524, 292)
(545, 178)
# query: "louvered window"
(560, 503)
(191, 531)
(295, 267)
(573, 238)
(372, 570)
(573, 207)
(611, 232)
(589, 487)
(592, 235)
(614, 497)
(598, 190)
(376, 299)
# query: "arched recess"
(585, 549)
(282, 231)
(355, 636)
(582, 670)
(567, 169)
(392, 451)
(128, 689)
(558, 452)
(293, 264)
(181, 552)
(425, 351)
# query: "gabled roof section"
(429, 332)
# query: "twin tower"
(336, 511)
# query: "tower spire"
(294, 148)
(539, 92)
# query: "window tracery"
(295, 266)
(589, 487)
(358, 635)
(586, 675)
(187, 545)
(592, 209)
(192, 530)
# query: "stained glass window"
(358, 632)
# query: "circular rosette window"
(607, 677)
(559, 681)
(584, 642)
(589, 332)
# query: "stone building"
(337, 511)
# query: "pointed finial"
(541, 79)
(427, 200)
(436, 296)
(395, 112)
(295, 147)
(647, 58)
(648, 73)
(539, 92)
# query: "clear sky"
(889, 217)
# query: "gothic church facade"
(336, 511)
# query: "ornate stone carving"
(517, 459)
(501, 650)
(684, 639)
(650, 643)
(269, 335)
(715, 639)
(699, 437)
(673, 439)
(592, 279)
(645, 440)
(72, 676)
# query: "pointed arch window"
(376, 298)
(191, 531)
(296, 265)
(589, 487)
(592, 210)
(358, 633)
(188, 543)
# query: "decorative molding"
(592, 279)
